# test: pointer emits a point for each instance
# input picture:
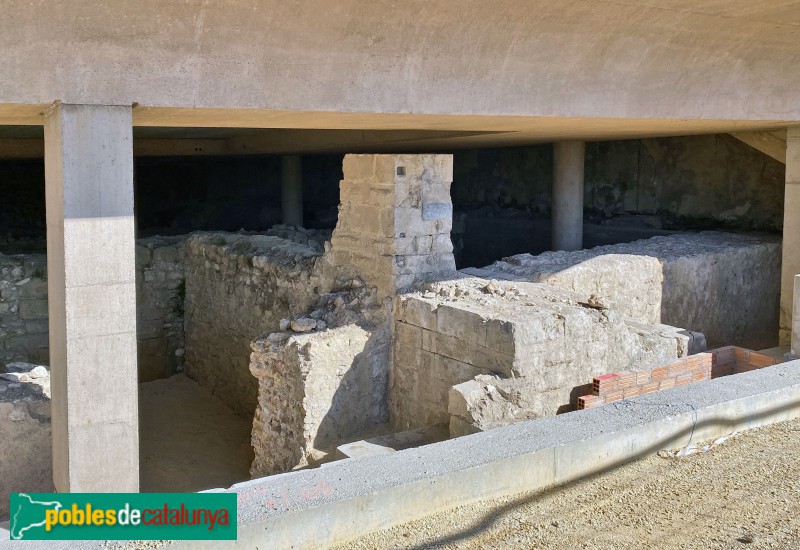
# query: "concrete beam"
(292, 189)
(92, 297)
(239, 54)
(769, 143)
(567, 203)
(790, 264)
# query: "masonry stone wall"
(725, 285)
(316, 390)
(686, 181)
(238, 288)
(323, 377)
(395, 218)
(23, 309)
(159, 307)
(160, 290)
(549, 337)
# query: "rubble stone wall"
(159, 307)
(23, 309)
(316, 390)
(725, 285)
(546, 336)
(238, 288)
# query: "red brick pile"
(622, 385)
(732, 360)
(695, 368)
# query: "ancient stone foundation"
(316, 390)
(547, 338)
(724, 285)
(323, 378)
(239, 287)
(159, 307)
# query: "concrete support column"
(292, 189)
(92, 297)
(567, 218)
(790, 264)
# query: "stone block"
(500, 336)
(461, 324)
(358, 168)
(33, 309)
(408, 335)
(416, 312)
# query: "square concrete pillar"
(92, 297)
(790, 264)
(567, 207)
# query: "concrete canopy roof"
(504, 73)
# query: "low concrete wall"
(344, 500)
(529, 331)
(725, 285)
(159, 307)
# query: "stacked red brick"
(733, 360)
(609, 388)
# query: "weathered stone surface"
(536, 332)
(721, 284)
(25, 436)
(314, 391)
(395, 219)
(238, 288)
(303, 324)
(159, 307)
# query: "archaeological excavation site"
(357, 264)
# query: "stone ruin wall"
(725, 285)
(323, 387)
(548, 340)
(238, 288)
(159, 307)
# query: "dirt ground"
(743, 493)
(189, 440)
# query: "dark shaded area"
(22, 212)
(177, 195)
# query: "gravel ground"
(742, 493)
